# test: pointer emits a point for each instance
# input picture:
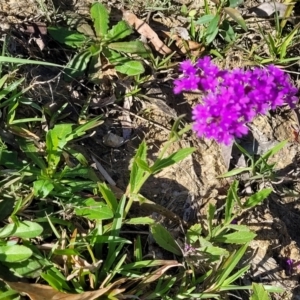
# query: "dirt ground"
(189, 186)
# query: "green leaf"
(31, 151)
(244, 151)
(134, 47)
(239, 237)
(212, 29)
(238, 227)
(227, 32)
(204, 19)
(55, 279)
(24, 230)
(229, 264)
(14, 253)
(108, 196)
(214, 252)
(93, 210)
(172, 159)
(138, 249)
(143, 165)
(82, 129)
(259, 292)
(164, 239)
(236, 276)
(131, 68)
(257, 198)
(69, 37)
(100, 18)
(31, 268)
(113, 56)
(140, 221)
(235, 3)
(42, 188)
(287, 41)
(193, 233)
(55, 143)
(210, 217)
(111, 240)
(115, 248)
(231, 196)
(236, 15)
(271, 152)
(136, 173)
(77, 65)
(235, 172)
(22, 61)
(119, 31)
(12, 87)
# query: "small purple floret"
(233, 98)
(289, 264)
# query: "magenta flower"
(233, 98)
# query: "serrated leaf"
(257, 198)
(172, 159)
(14, 253)
(239, 237)
(100, 18)
(131, 68)
(143, 165)
(69, 37)
(77, 65)
(164, 239)
(236, 15)
(119, 31)
(134, 47)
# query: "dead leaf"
(184, 45)
(183, 33)
(37, 33)
(144, 29)
(268, 8)
(226, 151)
(42, 292)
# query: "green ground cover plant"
(105, 43)
(66, 234)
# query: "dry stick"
(141, 118)
(103, 172)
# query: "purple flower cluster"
(233, 98)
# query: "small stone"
(113, 140)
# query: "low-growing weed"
(259, 168)
(206, 27)
(103, 45)
(89, 253)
